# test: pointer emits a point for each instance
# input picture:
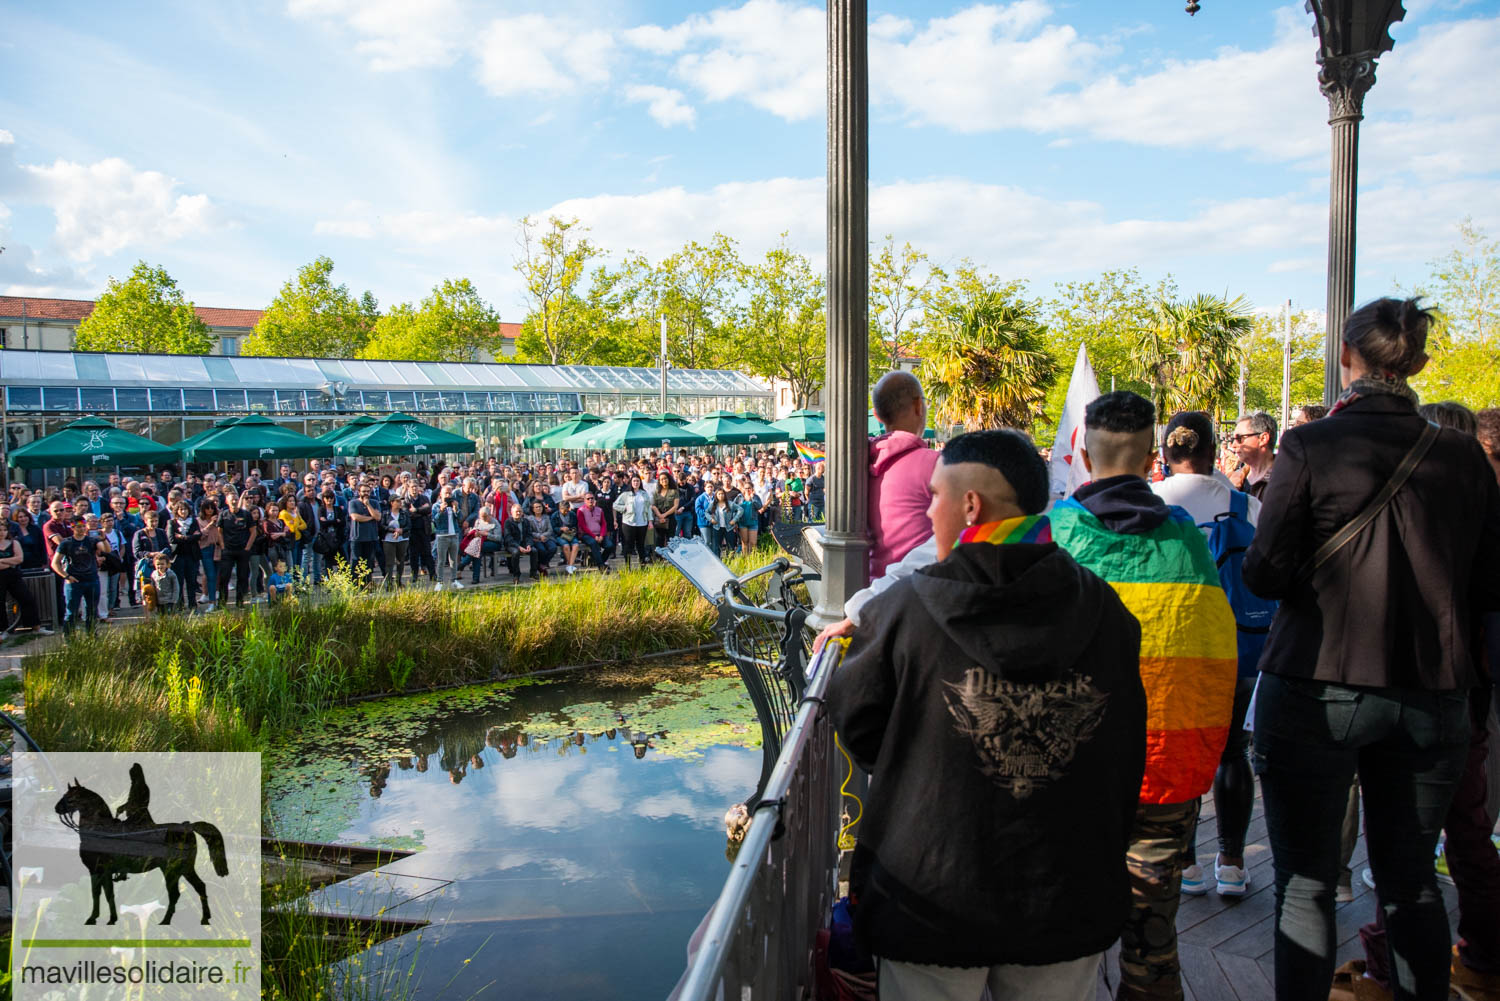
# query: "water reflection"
(581, 825)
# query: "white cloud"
(396, 34)
(535, 53)
(655, 38)
(107, 206)
(665, 104)
(767, 52)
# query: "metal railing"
(758, 939)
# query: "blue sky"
(1045, 140)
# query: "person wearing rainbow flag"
(996, 697)
(1156, 559)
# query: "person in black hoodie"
(996, 697)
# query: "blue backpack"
(1229, 535)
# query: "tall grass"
(130, 688)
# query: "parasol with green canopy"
(671, 418)
(550, 437)
(88, 442)
(402, 434)
(724, 427)
(631, 429)
(252, 437)
(803, 425)
(343, 431)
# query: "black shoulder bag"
(1361, 521)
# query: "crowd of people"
(199, 543)
(1044, 689)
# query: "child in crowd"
(280, 584)
(169, 597)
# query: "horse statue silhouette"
(113, 849)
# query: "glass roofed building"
(169, 397)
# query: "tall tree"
(146, 313)
(1189, 352)
(453, 323)
(311, 317)
(1264, 347)
(553, 265)
(900, 282)
(1107, 315)
(781, 332)
(985, 362)
(1464, 345)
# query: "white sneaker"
(1194, 882)
(458, 585)
(210, 607)
(572, 570)
(438, 586)
(1232, 880)
(43, 631)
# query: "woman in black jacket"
(183, 533)
(1372, 654)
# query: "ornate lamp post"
(844, 557)
(1352, 34)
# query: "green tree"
(311, 317)
(1464, 345)
(559, 329)
(900, 283)
(452, 324)
(1264, 347)
(1107, 315)
(1189, 353)
(781, 331)
(145, 313)
(985, 361)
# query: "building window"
(229, 345)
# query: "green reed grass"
(270, 667)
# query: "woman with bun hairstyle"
(1379, 534)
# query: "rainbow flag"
(810, 451)
(1032, 528)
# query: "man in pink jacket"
(901, 467)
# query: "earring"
(970, 521)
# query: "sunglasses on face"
(1237, 438)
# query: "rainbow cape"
(1167, 579)
(1032, 528)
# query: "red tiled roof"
(73, 310)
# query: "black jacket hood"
(1125, 504)
(963, 592)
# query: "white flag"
(1067, 469)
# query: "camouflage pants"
(1148, 944)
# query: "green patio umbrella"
(803, 425)
(253, 437)
(204, 435)
(631, 429)
(724, 427)
(672, 418)
(88, 442)
(550, 437)
(402, 434)
(338, 433)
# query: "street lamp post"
(1352, 35)
(845, 547)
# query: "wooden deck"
(1225, 944)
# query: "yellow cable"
(846, 840)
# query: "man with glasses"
(365, 521)
(1254, 441)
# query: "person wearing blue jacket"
(702, 507)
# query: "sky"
(1049, 141)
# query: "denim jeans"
(82, 600)
(1409, 747)
(312, 565)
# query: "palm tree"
(985, 364)
(1190, 351)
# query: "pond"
(568, 832)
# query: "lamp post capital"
(1345, 80)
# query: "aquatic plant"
(266, 669)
